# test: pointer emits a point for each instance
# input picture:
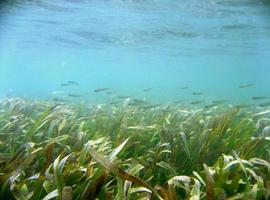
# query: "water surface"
(211, 46)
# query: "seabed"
(70, 151)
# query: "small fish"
(110, 92)
(64, 84)
(219, 101)
(74, 95)
(151, 106)
(132, 104)
(215, 103)
(140, 101)
(57, 92)
(101, 89)
(115, 102)
(183, 88)
(197, 93)
(264, 104)
(260, 97)
(147, 89)
(246, 85)
(242, 105)
(210, 105)
(179, 101)
(59, 100)
(196, 102)
(69, 83)
(123, 97)
(72, 83)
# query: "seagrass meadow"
(78, 151)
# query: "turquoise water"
(210, 46)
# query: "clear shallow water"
(209, 46)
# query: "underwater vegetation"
(78, 151)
